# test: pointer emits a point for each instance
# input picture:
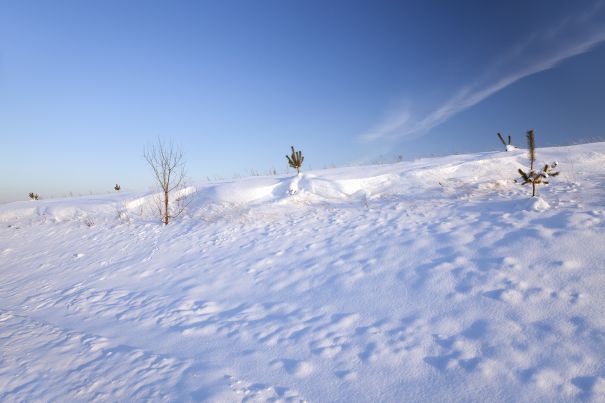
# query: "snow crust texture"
(433, 280)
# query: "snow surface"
(433, 280)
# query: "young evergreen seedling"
(508, 146)
(33, 196)
(117, 188)
(295, 160)
(532, 176)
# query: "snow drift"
(433, 280)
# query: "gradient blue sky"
(85, 85)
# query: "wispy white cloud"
(571, 37)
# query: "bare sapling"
(168, 167)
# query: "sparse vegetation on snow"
(168, 166)
(295, 160)
(532, 176)
(507, 146)
(429, 280)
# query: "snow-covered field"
(433, 280)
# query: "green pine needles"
(295, 160)
(532, 176)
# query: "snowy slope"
(433, 280)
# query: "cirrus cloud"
(573, 36)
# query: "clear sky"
(85, 85)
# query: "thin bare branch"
(168, 166)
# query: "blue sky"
(85, 85)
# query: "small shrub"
(122, 213)
(117, 188)
(33, 196)
(295, 160)
(507, 146)
(532, 176)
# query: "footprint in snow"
(299, 369)
(346, 375)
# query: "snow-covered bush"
(122, 213)
(533, 176)
(509, 146)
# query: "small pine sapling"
(117, 187)
(532, 176)
(295, 160)
(33, 196)
(507, 146)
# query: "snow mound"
(540, 204)
(325, 189)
